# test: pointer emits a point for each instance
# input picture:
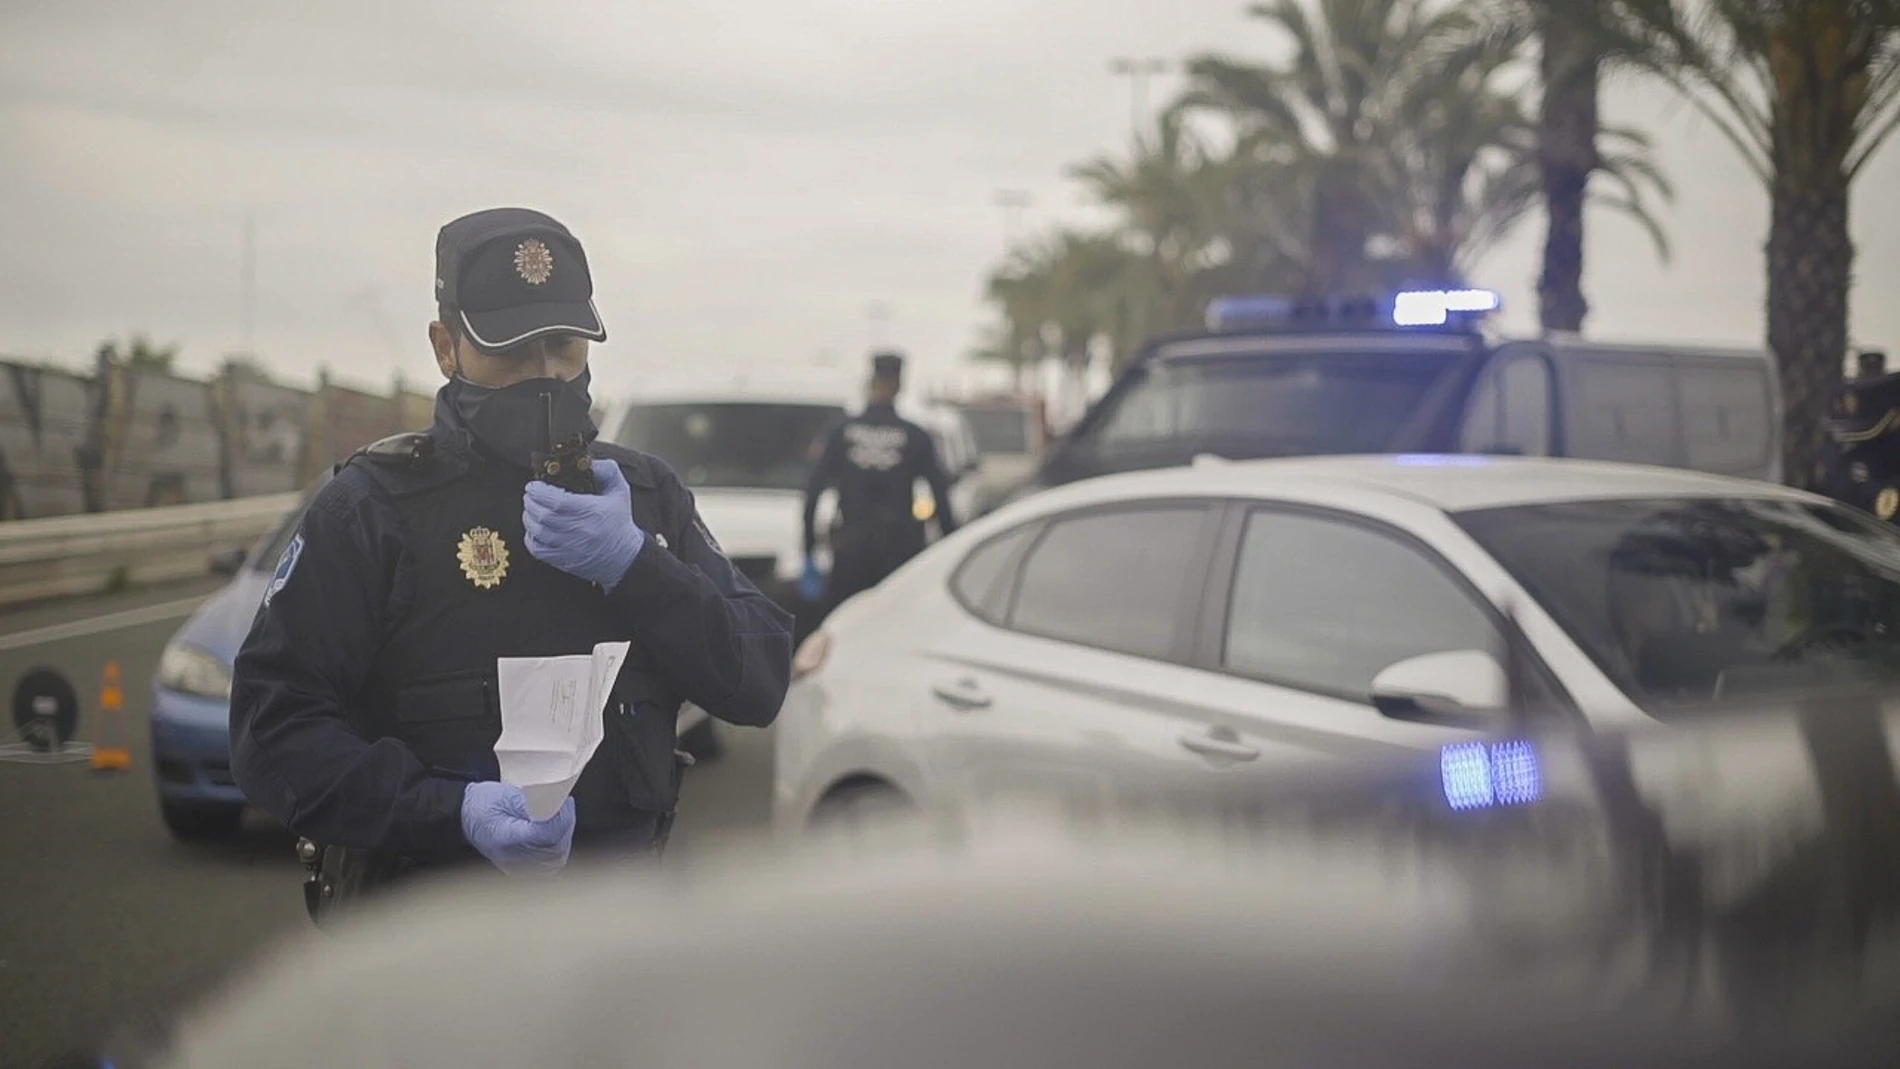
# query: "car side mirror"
(227, 561)
(1462, 688)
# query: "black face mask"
(512, 422)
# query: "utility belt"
(340, 879)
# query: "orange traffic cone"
(111, 756)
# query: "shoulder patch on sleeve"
(286, 565)
(700, 526)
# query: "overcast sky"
(748, 176)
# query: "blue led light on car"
(1226, 313)
(1433, 308)
(1477, 775)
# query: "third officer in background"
(874, 460)
(1860, 453)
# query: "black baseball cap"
(515, 274)
(887, 363)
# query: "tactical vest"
(480, 595)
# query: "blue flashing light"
(1225, 313)
(1480, 776)
(1433, 308)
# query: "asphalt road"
(105, 920)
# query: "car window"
(982, 581)
(1685, 602)
(1622, 410)
(1726, 417)
(999, 430)
(1281, 403)
(1327, 605)
(1510, 410)
(1116, 580)
(751, 445)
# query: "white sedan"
(1230, 618)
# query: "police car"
(1419, 371)
(1238, 619)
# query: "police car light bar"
(1433, 308)
(1411, 308)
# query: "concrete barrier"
(71, 556)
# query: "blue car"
(191, 695)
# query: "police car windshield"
(734, 445)
(1687, 602)
(1278, 403)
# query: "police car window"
(1726, 418)
(1622, 410)
(982, 582)
(1115, 580)
(735, 445)
(1327, 605)
(1510, 410)
(1313, 403)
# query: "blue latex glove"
(495, 822)
(811, 583)
(591, 536)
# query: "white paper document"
(551, 720)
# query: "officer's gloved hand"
(495, 822)
(811, 582)
(591, 536)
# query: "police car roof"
(1449, 483)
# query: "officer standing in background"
(364, 707)
(1860, 450)
(874, 459)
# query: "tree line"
(1401, 140)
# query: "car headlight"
(188, 669)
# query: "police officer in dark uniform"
(1860, 449)
(875, 459)
(364, 705)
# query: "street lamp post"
(1138, 70)
(1013, 202)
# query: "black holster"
(338, 879)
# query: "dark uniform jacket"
(364, 699)
(875, 459)
(1859, 463)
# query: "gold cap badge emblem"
(1850, 404)
(484, 558)
(533, 262)
(1886, 503)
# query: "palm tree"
(1578, 41)
(1807, 91)
(1327, 119)
(1170, 196)
(1473, 166)
(1058, 295)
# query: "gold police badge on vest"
(1886, 503)
(484, 558)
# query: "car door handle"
(1215, 746)
(964, 694)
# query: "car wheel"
(853, 808)
(196, 823)
(702, 740)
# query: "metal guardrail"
(69, 556)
